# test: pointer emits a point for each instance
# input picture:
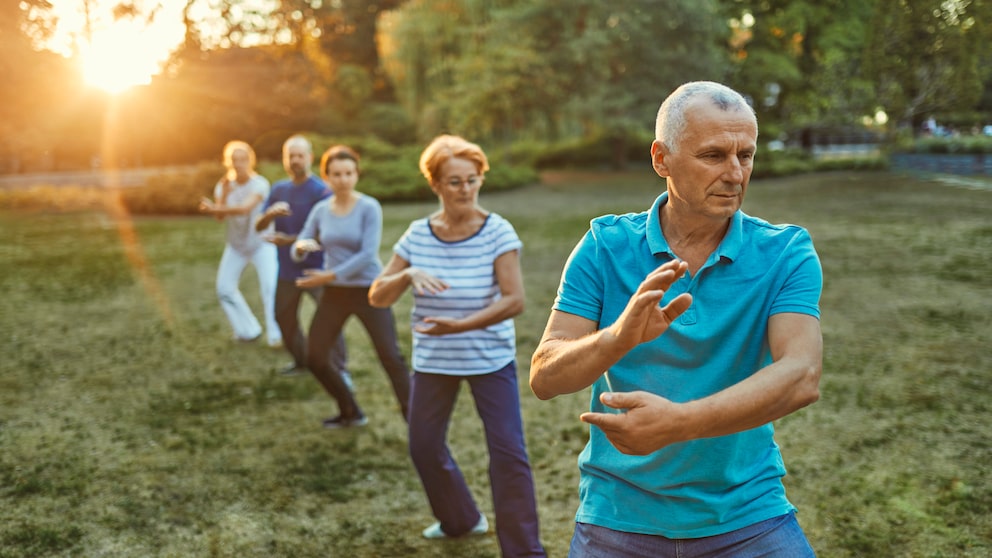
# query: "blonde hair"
(228, 154)
(446, 147)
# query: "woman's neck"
(343, 202)
(458, 226)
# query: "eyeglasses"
(456, 183)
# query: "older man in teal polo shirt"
(696, 325)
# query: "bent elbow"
(540, 392)
(375, 299)
(538, 385)
(517, 307)
(811, 385)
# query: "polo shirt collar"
(730, 246)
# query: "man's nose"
(735, 170)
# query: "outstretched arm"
(572, 354)
(219, 209)
(790, 383)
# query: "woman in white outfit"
(238, 199)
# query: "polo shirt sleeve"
(801, 289)
(580, 291)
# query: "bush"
(174, 193)
(59, 199)
(975, 145)
(389, 173)
(591, 152)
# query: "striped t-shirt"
(467, 266)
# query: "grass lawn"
(130, 425)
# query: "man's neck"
(300, 180)
(692, 238)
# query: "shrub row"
(965, 145)
(390, 173)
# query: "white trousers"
(243, 321)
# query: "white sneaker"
(435, 532)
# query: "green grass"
(131, 426)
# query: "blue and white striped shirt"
(468, 267)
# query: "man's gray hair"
(297, 139)
(671, 122)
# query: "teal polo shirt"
(701, 487)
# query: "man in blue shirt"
(288, 205)
(696, 326)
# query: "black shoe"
(345, 422)
(292, 369)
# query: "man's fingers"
(676, 307)
(605, 421)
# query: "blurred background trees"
(513, 74)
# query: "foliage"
(960, 144)
(131, 426)
(800, 61)
(177, 193)
(501, 72)
(491, 78)
(923, 55)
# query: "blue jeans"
(778, 537)
(497, 400)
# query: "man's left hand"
(314, 278)
(649, 423)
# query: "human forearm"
(770, 394)
(566, 365)
(503, 309)
(387, 289)
(263, 221)
(652, 422)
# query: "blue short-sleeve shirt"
(701, 487)
(301, 199)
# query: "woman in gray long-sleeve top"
(347, 227)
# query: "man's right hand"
(279, 239)
(643, 319)
(279, 209)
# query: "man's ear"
(658, 154)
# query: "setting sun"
(114, 62)
(116, 53)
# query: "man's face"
(709, 173)
(296, 158)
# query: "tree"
(514, 67)
(28, 85)
(800, 61)
(923, 55)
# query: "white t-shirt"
(241, 233)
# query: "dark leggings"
(337, 304)
(288, 297)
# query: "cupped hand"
(278, 238)
(649, 423)
(306, 245)
(425, 283)
(314, 278)
(279, 209)
(438, 326)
